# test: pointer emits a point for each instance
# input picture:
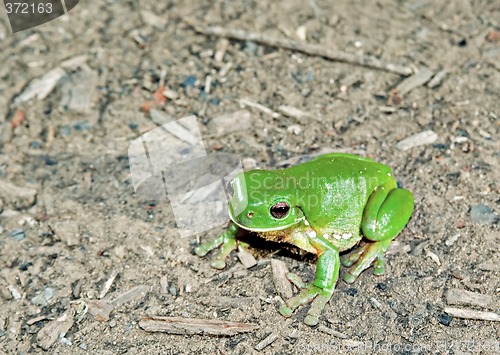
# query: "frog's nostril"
(250, 214)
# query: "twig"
(108, 283)
(266, 341)
(310, 49)
(179, 325)
(256, 105)
(472, 314)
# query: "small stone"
(17, 234)
(444, 319)
(44, 297)
(190, 81)
(483, 214)
(352, 292)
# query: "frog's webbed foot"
(318, 296)
(227, 243)
(363, 257)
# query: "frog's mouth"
(271, 229)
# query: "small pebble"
(444, 319)
(190, 81)
(82, 126)
(83, 346)
(43, 298)
(483, 214)
(17, 234)
(352, 292)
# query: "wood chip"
(437, 79)
(422, 138)
(472, 314)
(333, 332)
(108, 283)
(266, 110)
(14, 292)
(418, 79)
(49, 334)
(281, 283)
(188, 326)
(451, 240)
(434, 257)
(35, 320)
(266, 341)
(220, 49)
(134, 295)
(462, 297)
(40, 87)
(99, 309)
(246, 258)
(294, 112)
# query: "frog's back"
(336, 188)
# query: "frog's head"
(261, 204)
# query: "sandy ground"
(70, 219)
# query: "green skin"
(323, 206)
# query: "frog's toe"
(379, 266)
(218, 264)
(317, 307)
(351, 258)
(373, 252)
(285, 311)
(312, 294)
(201, 250)
(296, 280)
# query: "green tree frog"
(324, 206)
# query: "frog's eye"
(280, 210)
(230, 188)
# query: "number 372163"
(25, 8)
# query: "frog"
(329, 205)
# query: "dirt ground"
(70, 220)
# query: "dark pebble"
(189, 82)
(444, 319)
(462, 42)
(352, 292)
(133, 125)
(483, 214)
(82, 126)
(381, 286)
(25, 266)
(36, 145)
(17, 234)
(49, 161)
(214, 101)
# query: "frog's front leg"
(321, 289)
(386, 213)
(227, 243)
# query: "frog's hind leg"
(320, 291)
(387, 212)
